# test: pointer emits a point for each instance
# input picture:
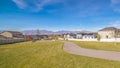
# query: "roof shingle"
(108, 29)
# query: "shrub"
(98, 37)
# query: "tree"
(28, 37)
(98, 37)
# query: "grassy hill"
(47, 54)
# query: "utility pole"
(38, 34)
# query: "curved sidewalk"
(74, 49)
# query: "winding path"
(74, 49)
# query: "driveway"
(77, 50)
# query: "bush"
(98, 37)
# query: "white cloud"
(20, 3)
(115, 1)
(116, 5)
(34, 5)
(115, 24)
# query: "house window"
(107, 36)
(85, 36)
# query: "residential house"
(80, 35)
(86, 35)
(69, 36)
(7, 37)
(90, 36)
(109, 33)
(12, 34)
(3, 37)
(36, 37)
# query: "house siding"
(7, 34)
(107, 34)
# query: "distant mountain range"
(46, 32)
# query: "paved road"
(75, 49)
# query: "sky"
(57, 15)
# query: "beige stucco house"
(109, 33)
(12, 34)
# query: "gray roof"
(108, 29)
(13, 32)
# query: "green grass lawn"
(47, 54)
(110, 46)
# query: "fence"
(83, 39)
(102, 40)
(8, 41)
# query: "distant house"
(3, 37)
(109, 33)
(36, 37)
(43, 37)
(80, 35)
(90, 36)
(12, 34)
(86, 35)
(69, 36)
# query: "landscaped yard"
(110, 46)
(47, 54)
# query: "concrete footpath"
(75, 49)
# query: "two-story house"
(109, 33)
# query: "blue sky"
(59, 14)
